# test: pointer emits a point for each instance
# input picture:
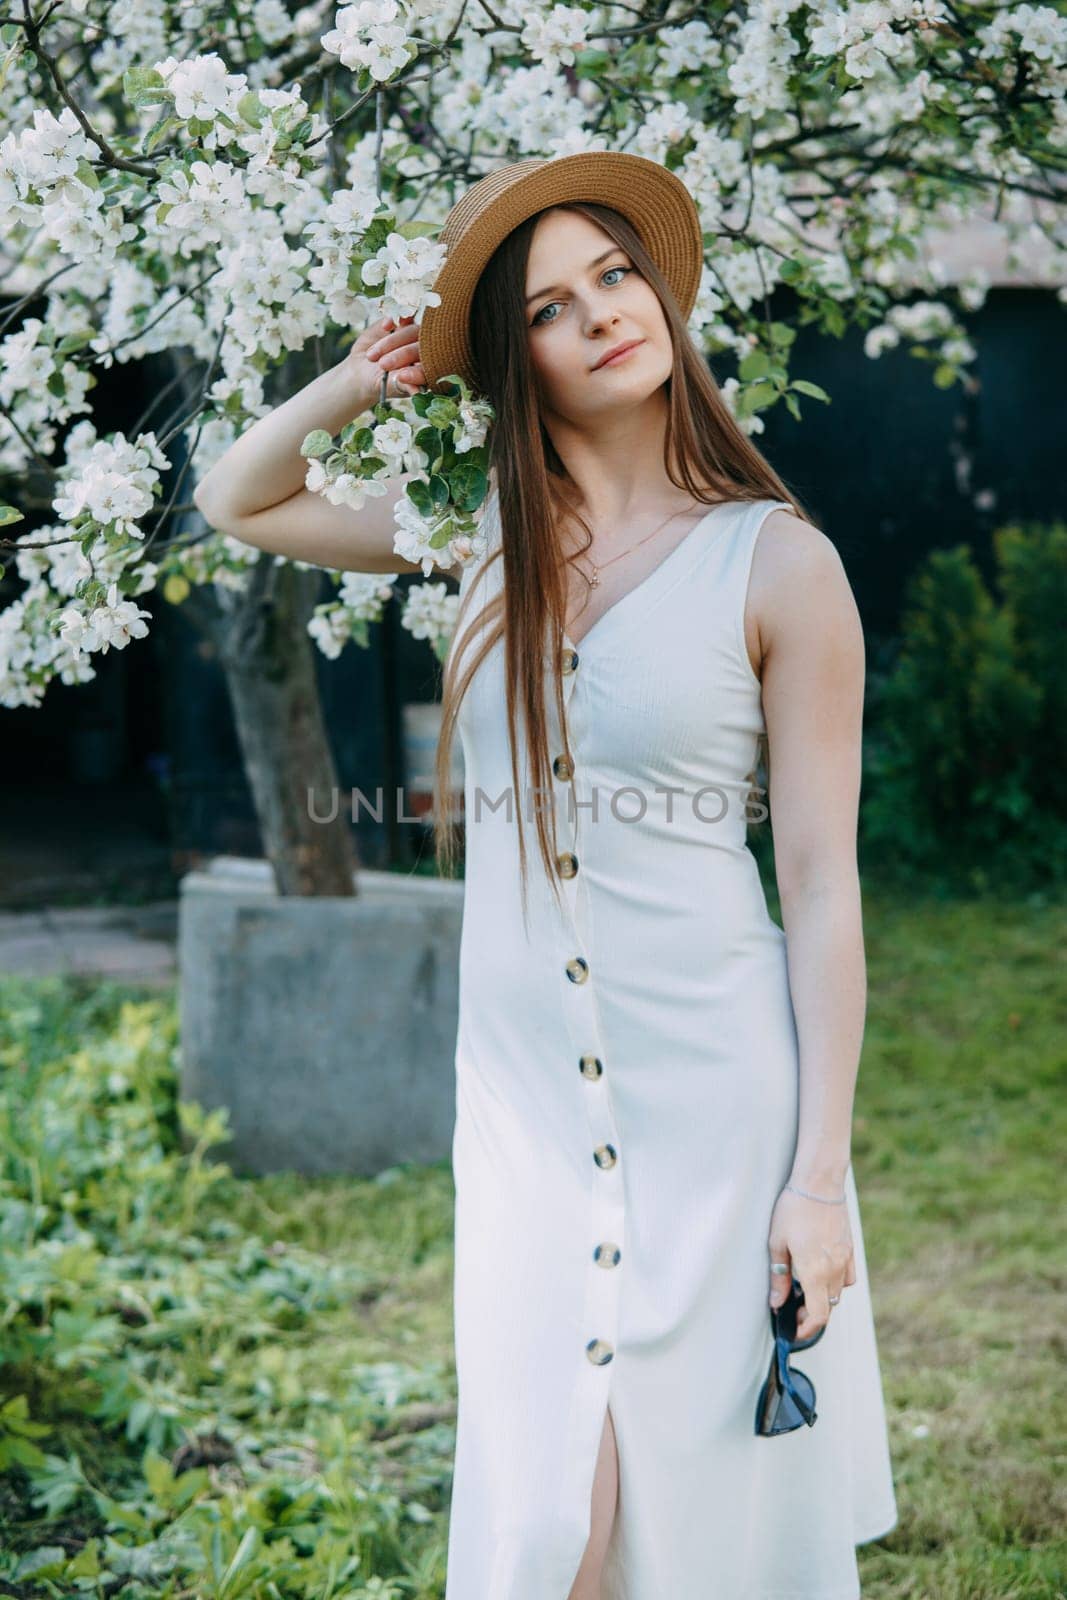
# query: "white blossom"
(429, 611)
(201, 85)
(554, 35)
(371, 35)
(115, 622)
(407, 268)
(114, 483)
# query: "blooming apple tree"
(238, 186)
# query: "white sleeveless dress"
(626, 1115)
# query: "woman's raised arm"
(255, 491)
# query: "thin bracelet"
(821, 1197)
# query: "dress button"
(567, 862)
(607, 1255)
(577, 969)
(562, 768)
(605, 1156)
(590, 1066)
(570, 660)
(599, 1352)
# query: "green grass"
(958, 1149)
(339, 1371)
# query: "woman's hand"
(389, 349)
(815, 1239)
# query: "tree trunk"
(266, 652)
(268, 656)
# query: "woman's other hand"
(816, 1240)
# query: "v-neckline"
(643, 583)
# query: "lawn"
(213, 1386)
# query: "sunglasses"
(787, 1398)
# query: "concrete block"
(327, 1026)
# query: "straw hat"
(655, 201)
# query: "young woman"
(654, 1080)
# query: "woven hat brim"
(654, 200)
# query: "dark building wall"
(892, 467)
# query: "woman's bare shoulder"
(791, 551)
(797, 585)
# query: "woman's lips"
(614, 360)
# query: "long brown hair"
(704, 449)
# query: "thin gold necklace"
(598, 569)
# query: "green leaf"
(360, 440)
(251, 108)
(74, 341)
(316, 443)
(417, 228)
(377, 234)
(453, 381)
(144, 86)
(804, 386)
(242, 1556)
(418, 492)
(86, 1564)
(591, 62)
(15, 1418)
(439, 491)
(157, 134)
(47, 1562)
(158, 1474)
(58, 1484)
(20, 1452)
(756, 364)
(759, 396)
(10, 514)
(429, 441)
(469, 486)
(441, 411)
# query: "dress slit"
(608, 1567)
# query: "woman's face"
(582, 306)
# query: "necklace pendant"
(595, 579)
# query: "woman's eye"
(551, 303)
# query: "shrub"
(964, 776)
(160, 1432)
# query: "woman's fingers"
(815, 1312)
(395, 352)
(781, 1282)
(408, 378)
(817, 1309)
(404, 355)
(403, 340)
